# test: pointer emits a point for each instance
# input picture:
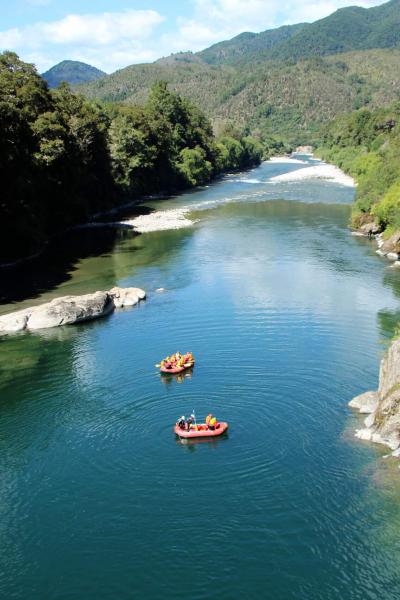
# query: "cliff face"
(382, 425)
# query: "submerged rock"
(382, 426)
(70, 309)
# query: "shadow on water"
(56, 265)
(85, 260)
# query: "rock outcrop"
(369, 228)
(126, 296)
(70, 309)
(389, 248)
(382, 425)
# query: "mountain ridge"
(289, 80)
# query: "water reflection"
(212, 442)
(168, 378)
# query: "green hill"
(286, 81)
(351, 28)
(247, 45)
(73, 72)
(289, 100)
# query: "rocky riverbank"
(382, 425)
(387, 247)
(68, 310)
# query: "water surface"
(287, 315)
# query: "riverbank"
(382, 425)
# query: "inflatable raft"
(201, 431)
(177, 369)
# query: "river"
(288, 316)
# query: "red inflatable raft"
(177, 369)
(201, 431)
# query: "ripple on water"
(280, 307)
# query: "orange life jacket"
(208, 419)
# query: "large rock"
(391, 245)
(382, 426)
(70, 309)
(365, 403)
(370, 228)
(126, 296)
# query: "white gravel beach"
(322, 171)
(161, 220)
(177, 218)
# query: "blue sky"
(113, 34)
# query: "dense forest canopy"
(63, 157)
(366, 144)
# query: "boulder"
(366, 403)
(370, 420)
(126, 296)
(364, 434)
(391, 245)
(382, 426)
(70, 309)
(371, 228)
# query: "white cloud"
(111, 39)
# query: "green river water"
(288, 316)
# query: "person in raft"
(177, 360)
(189, 423)
(211, 422)
(181, 422)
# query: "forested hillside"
(290, 101)
(72, 72)
(247, 46)
(287, 81)
(63, 157)
(347, 29)
(366, 144)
